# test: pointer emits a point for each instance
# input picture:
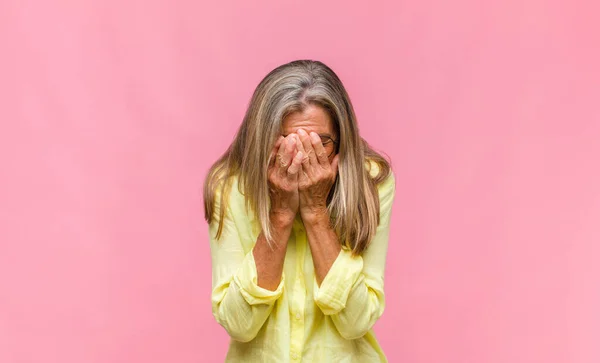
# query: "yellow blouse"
(299, 321)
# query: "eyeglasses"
(328, 142)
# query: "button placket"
(297, 323)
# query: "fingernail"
(301, 132)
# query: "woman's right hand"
(286, 163)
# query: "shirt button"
(298, 316)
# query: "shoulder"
(373, 169)
(386, 187)
(233, 198)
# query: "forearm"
(239, 304)
(242, 303)
(269, 259)
(323, 241)
(352, 300)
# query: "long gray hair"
(353, 202)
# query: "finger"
(308, 147)
(273, 154)
(280, 153)
(321, 154)
(306, 167)
(279, 141)
(305, 159)
(296, 165)
(285, 155)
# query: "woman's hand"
(283, 178)
(317, 176)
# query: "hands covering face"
(300, 175)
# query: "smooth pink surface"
(112, 111)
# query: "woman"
(298, 210)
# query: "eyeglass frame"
(329, 139)
(335, 143)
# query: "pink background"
(112, 111)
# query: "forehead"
(312, 118)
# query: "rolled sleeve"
(247, 281)
(345, 272)
(351, 293)
(238, 303)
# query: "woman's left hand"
(317, 176)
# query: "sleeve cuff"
(247, 280)
(333, 293)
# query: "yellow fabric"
(299, 321)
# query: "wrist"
(315, 215)
(282, 218)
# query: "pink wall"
(112, 111)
